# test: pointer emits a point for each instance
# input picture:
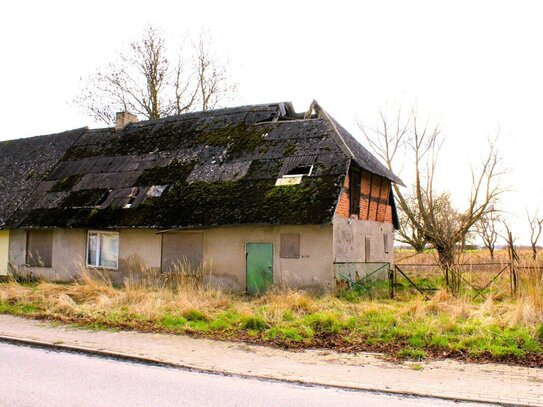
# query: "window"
(355, 180)
(103, 249)
(290, 245)
(39, 248)
(385, 241)
(300, 170)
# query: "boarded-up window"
(290, 245)
(39, 248)
(182, 252)
(355, 180)
(367, 250)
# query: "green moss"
(174, 173)
(67, 183)
(203, 204)
(289, 149)
(238, 139)
(84, 198)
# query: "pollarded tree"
(150, 81)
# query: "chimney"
(124, 118)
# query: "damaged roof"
(201, 169)
(24, 164)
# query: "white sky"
(474, 66)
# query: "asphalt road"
(32, 377)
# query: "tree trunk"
(446, 255)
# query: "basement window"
(39, 248)
(103, 249)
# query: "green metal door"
(259, 267)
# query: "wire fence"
(475, 280)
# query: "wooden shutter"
(290, 245)
(39, 248)
(181, 250)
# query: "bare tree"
(431, 211)
(488, 230)
(536, 227)
(145, 81)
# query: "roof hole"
(300, 170)
(103, 198)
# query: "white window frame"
(299, 175)
(99, 249)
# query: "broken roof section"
(198, 169)
(24, 163)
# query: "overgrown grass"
(411, 328)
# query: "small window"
(103, 250)
(290, 245)
(385, 242)
(355, 180)
(39, 248)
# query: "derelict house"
(258, 195)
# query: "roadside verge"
(447, 379)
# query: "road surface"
(32, 377)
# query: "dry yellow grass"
(498, 327)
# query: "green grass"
(410, 329)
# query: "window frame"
(299, 175)
(99, 249)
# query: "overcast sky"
(473, 66)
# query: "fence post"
(391, 281)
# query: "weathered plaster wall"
(139, 250)
(350, 240)
(17, 248)
(4, 252)
(67, 260)
(224, 254)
